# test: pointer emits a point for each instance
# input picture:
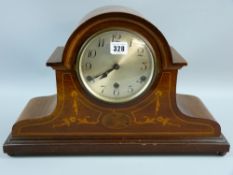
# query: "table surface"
(201, 31)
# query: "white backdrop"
(200, 30)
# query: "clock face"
(116, 65)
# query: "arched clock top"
(166, 55)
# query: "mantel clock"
(116, 94)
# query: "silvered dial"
(116, 65)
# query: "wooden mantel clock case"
(116, 94)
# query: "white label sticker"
(118, 48)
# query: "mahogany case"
(73, 122)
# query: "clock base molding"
(208, 146)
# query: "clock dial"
(116, 65)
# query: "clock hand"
(105, 74)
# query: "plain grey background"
(200, 30)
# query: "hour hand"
(105, 74)
(92, 78)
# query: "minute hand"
(105, 74)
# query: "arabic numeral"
(144, 66)
(91, 53)
(101, 42)
(116, 92)
(130, 89)
(102, 88)
(116, 37)
(88, 66)
(140, 52)
(131, 43)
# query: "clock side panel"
(76, 116)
